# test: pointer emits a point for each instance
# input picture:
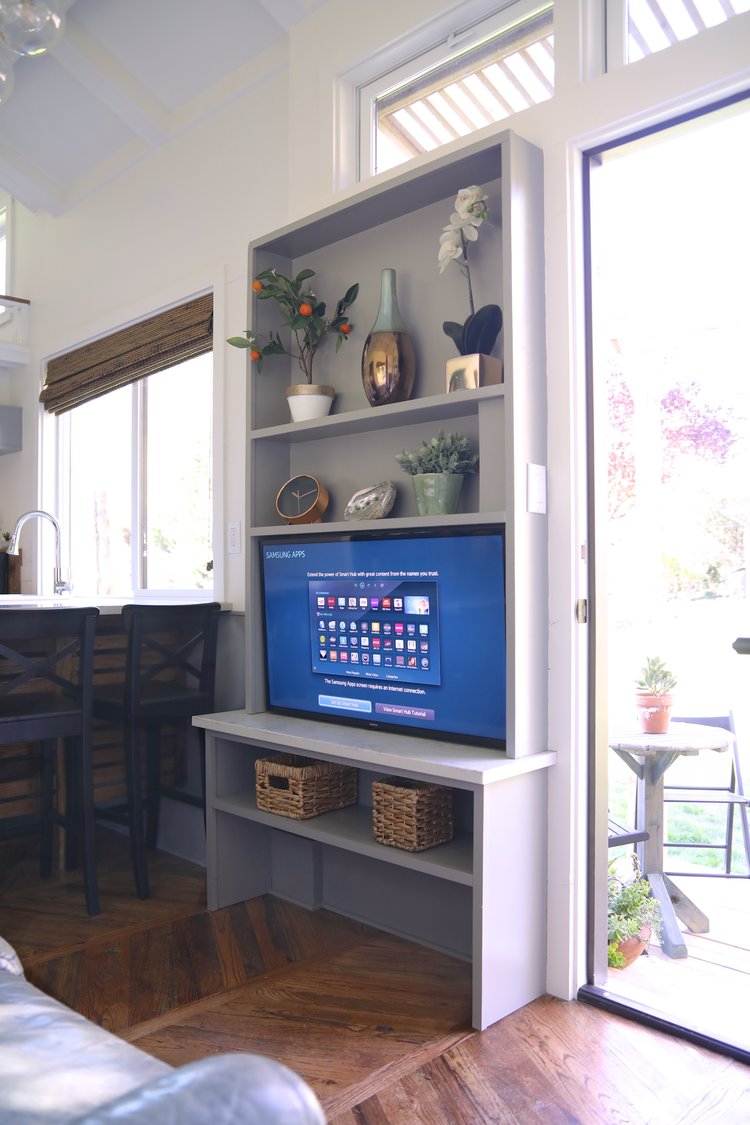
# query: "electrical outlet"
(233, 539)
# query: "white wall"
(182, 221)
(178, 223)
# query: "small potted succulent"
(653, 698)
(309, 326)
(437, 470)
(633, 916)
(476, 337)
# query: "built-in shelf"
(481, 896)
(351, 829)
(435, 408)
(461, 896)
(399, 523)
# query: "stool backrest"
(171, 645)
(46, 658)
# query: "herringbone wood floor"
(379, 1027)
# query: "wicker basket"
(301, 788)
(412, 815)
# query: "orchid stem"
(467, 271)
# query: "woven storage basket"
(300, 788)
(412, 815)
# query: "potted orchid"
(476, 337)
(309, 326)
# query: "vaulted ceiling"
(126, 77)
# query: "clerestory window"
(480, 74)
(637, 28)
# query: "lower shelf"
(351, 829)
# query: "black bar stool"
(170, 675)
(46, 658)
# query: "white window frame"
(138, 424)
(391, 68)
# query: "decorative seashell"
(371, 503)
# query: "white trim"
(55, 487)
(617, 33)
(419, 52)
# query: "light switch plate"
(536, 489)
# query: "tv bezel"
(376, 534)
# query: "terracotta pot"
(633, 947)
(654, 712)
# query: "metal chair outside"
(732, 794)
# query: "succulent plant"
(656, 679)
(445, 453)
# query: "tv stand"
(480, 897)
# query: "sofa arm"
(9, 961)
(239, 1089)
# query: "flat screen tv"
(391, 630)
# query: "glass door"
(670, 396)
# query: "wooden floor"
(378, 1026)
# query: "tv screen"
(389, 630)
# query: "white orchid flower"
(470, 205)
(451, 247)
(469, 214)
(467, 228)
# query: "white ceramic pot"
(309, 400)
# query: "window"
(652, 25)
(135, 461)
(479, 75)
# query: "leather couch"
(56, 1066)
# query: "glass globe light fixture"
(30, 27)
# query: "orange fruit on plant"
(254, 353)
(345, 329)
(257, 286)
(305, 310)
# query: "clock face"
(303, 499)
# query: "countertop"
(105, 605)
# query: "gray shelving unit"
(483, 895)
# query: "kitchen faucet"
(12, 549)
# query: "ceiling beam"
(102, 75)
(26, 183)
(286, 13)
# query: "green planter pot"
(437, 494)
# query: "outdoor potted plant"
(305, 316)
(633, 916)
(437, 470)
(654, 696)
(476, 337)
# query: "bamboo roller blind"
(131, 353)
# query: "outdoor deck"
(709, 990)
